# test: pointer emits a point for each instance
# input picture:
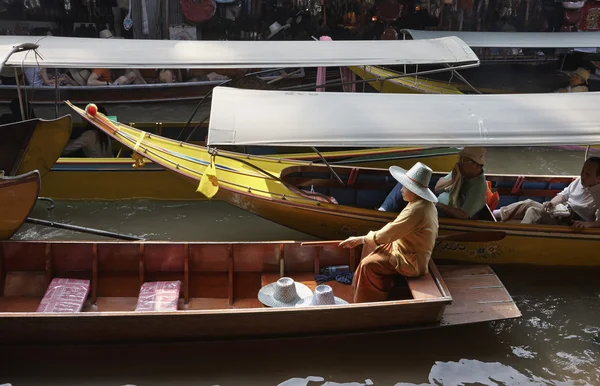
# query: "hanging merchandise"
(127, 22)
(198, 12)
(145, 28)
(590, 19)
(31, 5)
(182, 32)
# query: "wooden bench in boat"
(65, 295)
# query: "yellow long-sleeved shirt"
(412, 237)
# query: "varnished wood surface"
(222, 281)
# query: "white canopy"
(63, 52)
(321, 119)
(515, 39)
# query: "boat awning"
(322, 119)
(62, 52)
(515, 39)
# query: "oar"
(76, 228)
(479, 236)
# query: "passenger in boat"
(578, 81)
(168, 76)
(38, 77)
(93, 142)
(581, 200)
(402, 246)
(461, 193)
(104, 77)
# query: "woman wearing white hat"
(404, 245)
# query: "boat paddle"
(76, 228)
(479, 236)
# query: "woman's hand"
(351, 242)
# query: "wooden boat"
(511, 62)
(18, 196)
(209, 291)
(34, 144)
(309, 199)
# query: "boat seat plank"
(159, 296)
(423, 287)
(478, 295)
(64, 295)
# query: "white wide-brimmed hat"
(416, 180)
(285, 292)
(323, 296)
(275, 28)
(582, 73)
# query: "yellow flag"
(209, 184)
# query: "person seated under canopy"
(461, 193)
(578, 204)
(403, 246)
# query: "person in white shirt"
(581, 198)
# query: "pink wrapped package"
(65, 295)
(159, 296)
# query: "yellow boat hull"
(117, 179)
(261, 185)
(406, 85)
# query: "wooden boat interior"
(368, 188)
(225, 276)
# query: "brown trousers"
(373, 279)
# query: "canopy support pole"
(19, 94)
(198, 106)
(459, 76)
(56, 94)
(328, 166)
(587, 152)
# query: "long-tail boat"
(60, 52)
(35, 144)
(498, 52)
(311, 199)
(18, 196)
(81, 292)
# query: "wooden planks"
(478, 295)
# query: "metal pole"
(19, 94)
(56, 96)
(328, 166)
